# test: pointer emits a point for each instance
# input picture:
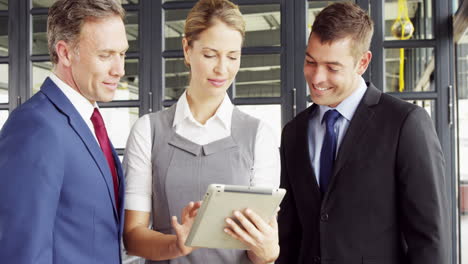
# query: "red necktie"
(101, 134)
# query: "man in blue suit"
(62, 191)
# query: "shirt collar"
(81, 104)
(348, 107)
(223, 113)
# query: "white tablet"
(219, 202)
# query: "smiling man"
(364, 171)
(62, 190)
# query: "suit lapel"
(78, 124)
(358, 125)
(303, 162)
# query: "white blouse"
(137, 160)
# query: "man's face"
(97, 63)
(331, 71)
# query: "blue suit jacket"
(56, 192)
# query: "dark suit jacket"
(386, 200)
(56, 192)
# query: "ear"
(65, 52)
(187, 50)
(363, 62)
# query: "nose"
(118, 66)
(221, 66)
(315, 74)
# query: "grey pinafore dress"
(182, 171)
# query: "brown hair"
(203, 14)
(341, 20)
(66, 18)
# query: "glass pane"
(131, 27)
(428, 105)
(259, 76)
(3, 4)
(270, 114)
(3, 117)
(39, 37)
(418, 16)
(130, 2)
(48, 3)
(165, 1)
(263, 26)
(128, 86)
(417, 70)
(314, 8)
(3, 83)
(3, 36)
(174, 21)
(40, 71)
(119, 122)
(462, 139)
(176, 78)
(40, 45)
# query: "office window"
(259, 76)
(415, 73)
(3, 4)
(3, 117)
(462, 140)
(262, 26)
(413, 13)
(3, 36)
(119, 122)
(3, 83)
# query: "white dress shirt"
(137, 161)
(81, 104)
(347, 108)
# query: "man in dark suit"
(62, 191)
(364, 171)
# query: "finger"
(243, 236)
(257, 221)
(250, 227)
(274, 223)
(234, 235)
(186, 212)
(175, 223)
(195, 208)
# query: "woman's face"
(214, 59)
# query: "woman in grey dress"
(173, 155)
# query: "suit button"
(324, 217)
(317, 259)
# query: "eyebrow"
(114, 51)
(215, 50)
(327, 62)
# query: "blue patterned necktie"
(327, 155)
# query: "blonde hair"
(66, 18)
(205, 12)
